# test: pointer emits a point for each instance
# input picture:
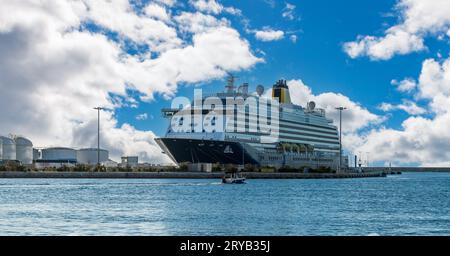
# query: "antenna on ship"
(230, 83)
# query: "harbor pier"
(181, 175)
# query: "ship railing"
(317, 111)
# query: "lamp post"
(98, 134)
(368, 162)
(340, 109)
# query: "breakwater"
(406, 169)
(182, 175)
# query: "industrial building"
(19, 150)
(8, 148)
(60, 156)
(56, 157)
(89, 156)
(129, 161)
(16, 149)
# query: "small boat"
(234, 178)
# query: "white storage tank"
(24, 150)
(89, 156)
(59, 154)
(8, 148)
(36, 154)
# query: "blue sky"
(317, 57)
(387, 61)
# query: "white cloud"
(356, 116)
(157, 11)
(119, 16)
(419, 19)
(423, 141)
(210, 56)
(268, 34)
(289, 11)
(434, 79)
(209, 6)
(406, 85)
(198, 22)
(293, 38)
(271, 3)
(386, 107)
(233, 11)
(142, 117)
(408, 106)
(213, 7)
(53, 73)
(398, 42)
(169, 3)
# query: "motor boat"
(234, 178)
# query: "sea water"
(407, 204)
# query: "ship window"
(213, 121)
(180, 123)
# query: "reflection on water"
(410, 204)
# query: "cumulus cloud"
(419, 19)
(268, 34)
(142, 117)
(422, 140)
(293, 38)
(406, 85)
(434, 80)
(408, 106)
(157, 11)
(54, 70)
(119, 16)
(169, 3)
(213, 7)
(356, 116)
(198, 22)
(289, 11)
(209, 6)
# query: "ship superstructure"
(238, 127)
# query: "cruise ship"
(241, 128)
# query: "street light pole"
(340, 109)
(98, 134)
(368, 163)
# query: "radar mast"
(230, 83)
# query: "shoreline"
(180, 175)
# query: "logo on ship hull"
(228, 150)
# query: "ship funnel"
(230, 83)
(280, 90)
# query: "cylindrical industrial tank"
(8, 148)
(89, 156)
(36, 154)
(24, 150)
(59, 154)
